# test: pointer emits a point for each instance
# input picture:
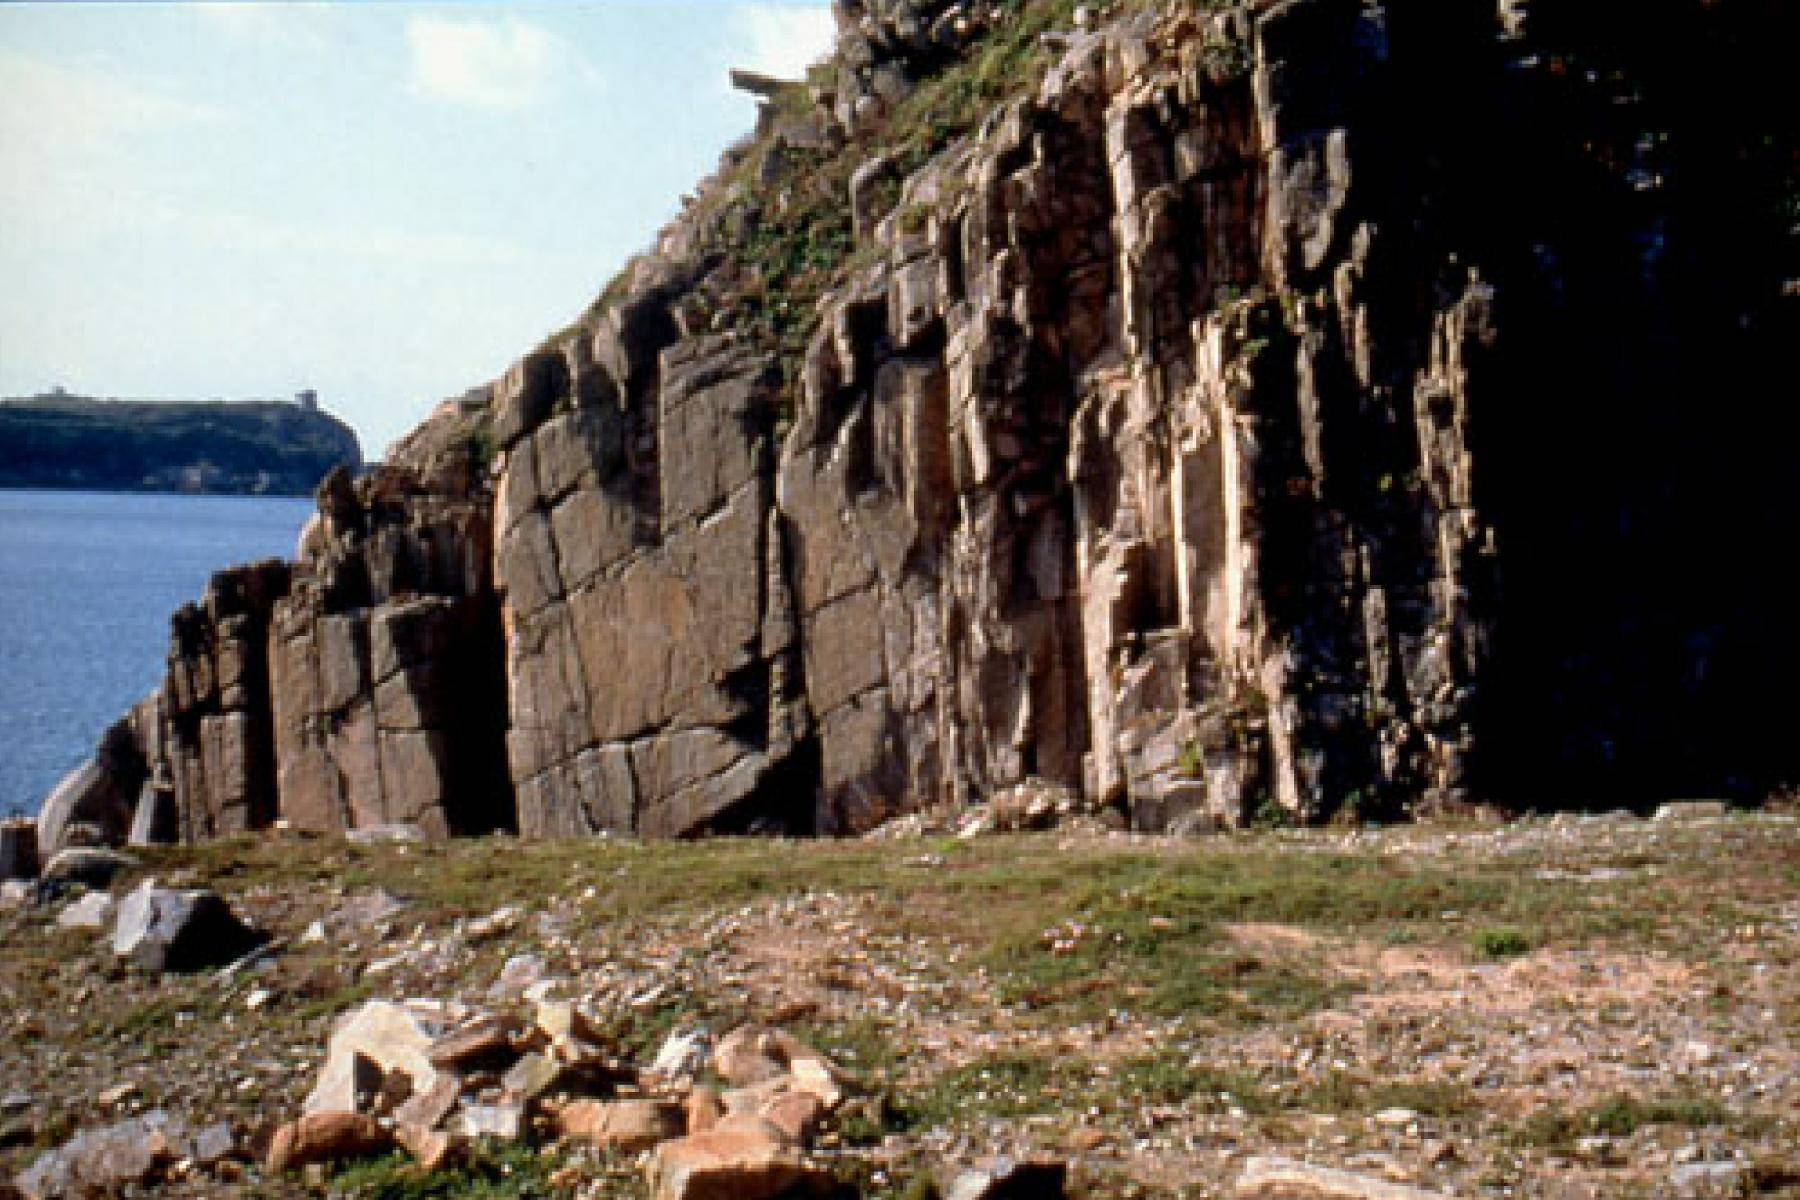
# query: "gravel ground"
(1571, 1007)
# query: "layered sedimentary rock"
(1282, 407)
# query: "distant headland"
(255, 447)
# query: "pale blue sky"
(387, 202)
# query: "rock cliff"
(1260, 408)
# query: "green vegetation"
(1617, 1116)
(1192, 760)
(1178, 1079)
(1132, 925)
(493, 1171)
(1225, 59)
(480, 444)
(1003, 1086)
(952, 104)
(782, 212)
(1083, 987)
(1498, 943)
(271, 447)
(1343, 1094)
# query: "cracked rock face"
(1225, 427)
(357, 687)
(1065, 458)
(643, 622)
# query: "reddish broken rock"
(481, 1042)
(326, 1137)
(751, 1054)
(428, 1109)
(373, 1042)
(819, 1077)
(746, 1056)
(567, 1031)
(433, 1149)
(753, 1124)
(627, 1125)
(705, 1108)
(797, 1114)
(725, 1164)
(531, 1077)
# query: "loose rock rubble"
(1285, 1179)
(1413, 1062)
(101, 1160)
(433, 1076)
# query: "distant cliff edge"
(241, 448)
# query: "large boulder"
(725, 1164)
(1273, 1177)
(379, 1040)
(102, 793)
(90, 866)
(102, 1161)
(91, 912)
(326, 1137)
(1010, 1180)
(162, 929)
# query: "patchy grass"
(1001, 1086)
(1557, 1128)
(1341, 1093)
(1500, 942)
(1133, 930)
(1178, 1079)
(1246, 990)
(492, 1171)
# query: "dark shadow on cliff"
(1626, 179)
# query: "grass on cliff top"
(801, 243)
(792, 239)
(795, 242)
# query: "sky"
(386, 202)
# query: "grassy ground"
(1560, 1008)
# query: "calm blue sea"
(87, 583)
